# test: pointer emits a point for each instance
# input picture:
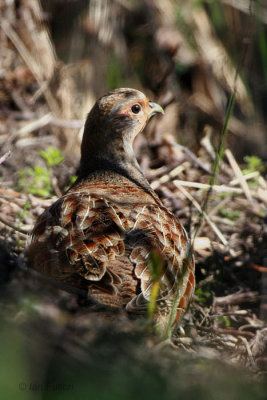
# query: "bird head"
(127, 111)
(114, 122)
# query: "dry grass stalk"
(205, 215)
(239, 175)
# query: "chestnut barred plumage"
(98, 236)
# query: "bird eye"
(136, 108)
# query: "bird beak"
(155, 109)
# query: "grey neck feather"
(117, 156)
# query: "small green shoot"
(202, 296)
(232, 215)
(52, 156)
(23, 214)
(38, 180)
(254, 164)
(224, 320)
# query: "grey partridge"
(100, 234)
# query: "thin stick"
(233, 332)
(216, 188)
(226, 314)
(239, 175)
(5, 157)
(193, 157)
(207, 218)
(169, 176)
(72, 124)
(11, 193)
(247, 177)
(21, 231)
(62, 123)
(34, 125)
(245, 342)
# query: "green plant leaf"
(52, 156)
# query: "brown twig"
(192, 156)
(237, 298)
(5, 157)
(239, 175)
(207, 218)
(21, 231)
(219, 331)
